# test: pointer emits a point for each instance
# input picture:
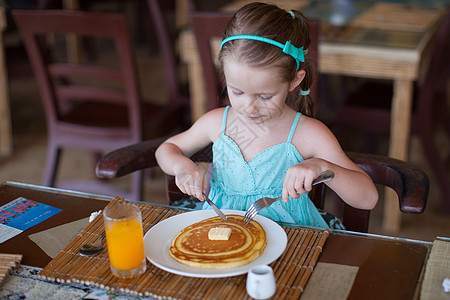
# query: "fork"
(264, 202)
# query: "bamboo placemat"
(7, 262)
(394, 16)
(292, 270)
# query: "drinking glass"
(125, 241)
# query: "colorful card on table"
(21, 214)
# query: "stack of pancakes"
(192, 246)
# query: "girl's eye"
(264, 97)
(236, 93)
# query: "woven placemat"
(292, 270)
(7, 262)
(395, 16)
(437, 269)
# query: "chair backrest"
(92, 103)
(166, 44)
(313, 54)
(208, 26)
(65, 86)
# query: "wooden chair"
(176, 90)
(94, 106)
(369, 109)
(313, 54)
(410, 183)
(208, 26)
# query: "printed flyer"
(21, 214)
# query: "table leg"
(398, 146)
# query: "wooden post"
(398, 147)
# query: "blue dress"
(236, 184)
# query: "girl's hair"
(272, 22)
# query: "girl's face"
(258, 94)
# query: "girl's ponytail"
(301, 100)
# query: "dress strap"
(294, 125)
(224, 120)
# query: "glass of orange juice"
(125, 240)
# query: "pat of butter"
(219, 233)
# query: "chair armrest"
(410, 183)
(126, 160)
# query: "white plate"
(159, 238)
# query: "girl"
(266, 143)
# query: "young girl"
(262, 145)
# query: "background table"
(353, 51)
(75, 206)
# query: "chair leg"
(438, 167)
(52, 162)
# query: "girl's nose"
(251, 106)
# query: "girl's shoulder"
(307, 124)
(214, 116)
(311, 131)
(211, 122)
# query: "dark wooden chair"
(207, 26)
(313, 54)
(368, 109)
(410, 184)
(91, 105)
(177, 91)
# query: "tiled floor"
(28, 160)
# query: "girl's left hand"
(299, 178)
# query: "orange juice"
(125, 244)
(125, 241)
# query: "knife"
(216, 209)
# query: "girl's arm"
(322, 151)
(173, 155)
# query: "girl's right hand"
(192, 183)
(173, 155)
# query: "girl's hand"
(299, 178)
(192, 182)
(173, 156)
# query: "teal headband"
(297, 53)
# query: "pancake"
(193, 248)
